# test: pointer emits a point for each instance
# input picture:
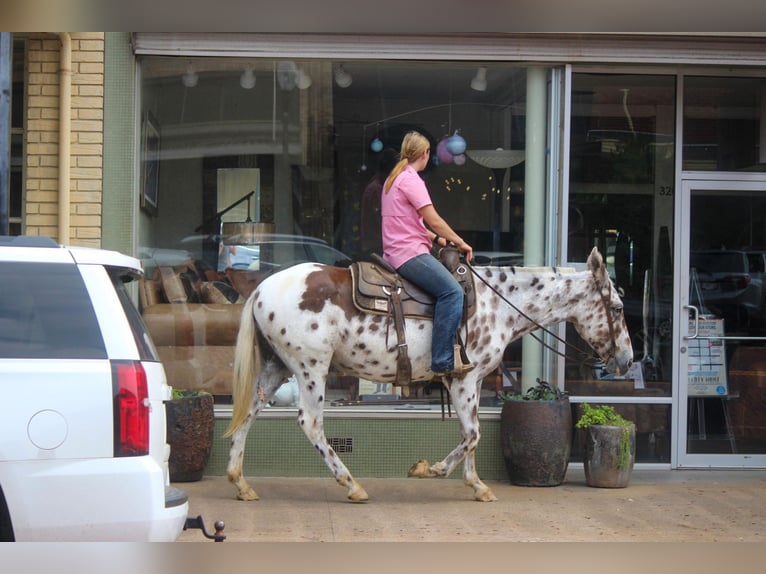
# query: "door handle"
(695, 316)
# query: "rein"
(585, 356)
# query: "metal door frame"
(692, 181)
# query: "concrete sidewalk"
(657, 506)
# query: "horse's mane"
(517, 269)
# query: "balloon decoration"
(456, 144)
(451, 149)
(442, 152)
(376, 145)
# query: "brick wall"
(87, 136)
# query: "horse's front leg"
(464, 394)
(265, 387)
(311, 421)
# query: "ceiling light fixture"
(190, 78)
(479, 81)
(247, 79)
(303, 79)
(342, 77)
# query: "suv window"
(146, 349)
(45, 312)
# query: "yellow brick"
(88, 208)
(95, 68)
(42, 219)
(87, 196)
(32, 161)
(34, 90)
(42, 149)
(87, 125)
(91, 90)
(43, 126)
(85, 220)
(88, 56)
(88, 161)
(86, 149)
(50, 79)
(49, 90)
(90, 114)
(86, 173)
(89, 185)
(33, 113)
(51, 67)
(43, 102)
(48, 113)
(51, 44)
(87, 102)
(50, 185)
(90, 137)
(43, 172)
(88, 78)
(48, 208)
(92, 45)
(49, 160)
(49, 136)
(43, 56)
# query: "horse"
(302, 321)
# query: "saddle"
(380, 290)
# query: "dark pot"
(607, 462)
(537, 441)
(190, 425)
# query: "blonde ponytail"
(414, 145)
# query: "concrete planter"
(610, 452)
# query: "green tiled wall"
(382, 448)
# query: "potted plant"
(610, 446)
(536, 431)
(190, 426)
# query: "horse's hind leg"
(464, 396)
(270, 379)
(311, 421)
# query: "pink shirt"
(404, 234)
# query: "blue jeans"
(429, 274)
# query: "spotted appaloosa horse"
(302, 321)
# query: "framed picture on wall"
(150, 164)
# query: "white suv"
(83, 454)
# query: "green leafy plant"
(542, 391)
(605, 415)
(183, 393)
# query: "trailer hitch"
(197, 522)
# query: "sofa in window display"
(192, 313)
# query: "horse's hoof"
(485, 496)
(358, 495)
(248, 494)
(421, 469)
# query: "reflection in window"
(316, 132)
(621, 200)
(723, 129)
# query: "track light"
(342, 77)
(247, 79)
(479, 81)
(190, 78)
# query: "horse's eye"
(617, 309)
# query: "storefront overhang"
(674, 49)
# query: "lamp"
(190, 78)
(479, 81)
(247, 79)
(303, 79)
(342, 77)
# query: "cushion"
(219, 292)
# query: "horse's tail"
(245, 354)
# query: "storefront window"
(621, 200)
(249, 166)
(723, 124)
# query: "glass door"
(722, 324)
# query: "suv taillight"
(131, 409)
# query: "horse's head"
(603, 324)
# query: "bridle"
(586, 357)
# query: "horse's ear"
(596, 266)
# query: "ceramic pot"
(610, 452)
(190, 426)
(537, 441)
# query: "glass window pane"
(722, 124)
(621, 200)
